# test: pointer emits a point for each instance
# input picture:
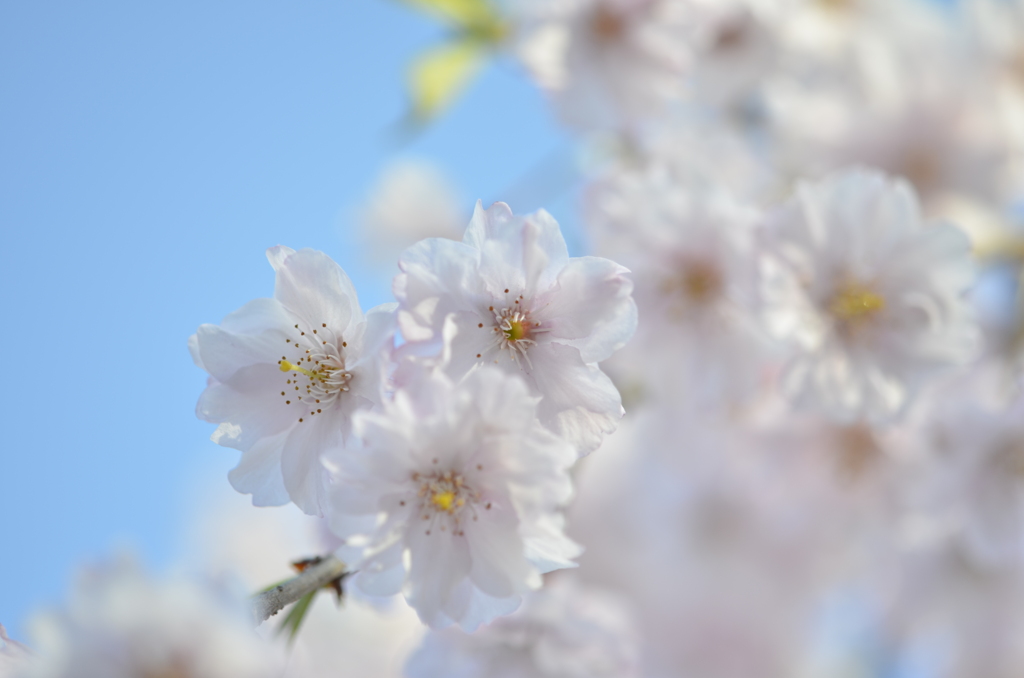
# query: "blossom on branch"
(509, 295)
(454, 498)
(288, 373)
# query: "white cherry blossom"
(119, 623)
(691, 245)
(509, 295)
(287, 374)
(870, 297)
(607, 63)
(562, 631)
(455, 497)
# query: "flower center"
(607, 25)
(444, 497)
(697, 283)
(855, 303)
(318, 376)
(514, 330)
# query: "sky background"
(149, 154)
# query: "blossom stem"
(270, 602)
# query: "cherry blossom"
(692, 246)
(607, 63)
(562, 631)
(288, 373)
(871, 298)
(118, 623)
(455, 498)
(509, 295)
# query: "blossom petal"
(593, 306)
(313, 287)
(304, 473)
(580, 402)
(250, 400)
(438, 562)
(259, 472)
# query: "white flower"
(13, 655)
(509, 295)
(287, 375)
(120, 624)
(563, 631)
(974, 480)
(606, 62)
(735, 46)
(691, 246)
(872, 299)
(454, 498)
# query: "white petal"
(313, 287)
(259, 472)
(592, 306)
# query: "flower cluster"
(822, 470)
(442, 464)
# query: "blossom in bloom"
(454, 498)
(119, 623)
(509, 295)
(287, 374)
(13, 655)
(691, 245)
(870, 297)
(562, 631)
(606, 62)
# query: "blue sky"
(149, 154)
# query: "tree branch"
(267, 604)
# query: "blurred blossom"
(411, 199)
(119, 623)
(13, 655)
(691, 246)
(606, 63)
(871, 299)
(563, 631)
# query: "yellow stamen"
(516, 331)
(855, 302)
(289, 367)
(444, 500)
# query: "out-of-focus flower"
(455, 497)
(119, 623)
(562, 631)
(975, 478)
(509, 295)
(871, 298)
(735, 46)
(691, 246)
(411, 200)
(607, 63)
(287, 374)
(13, 655)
